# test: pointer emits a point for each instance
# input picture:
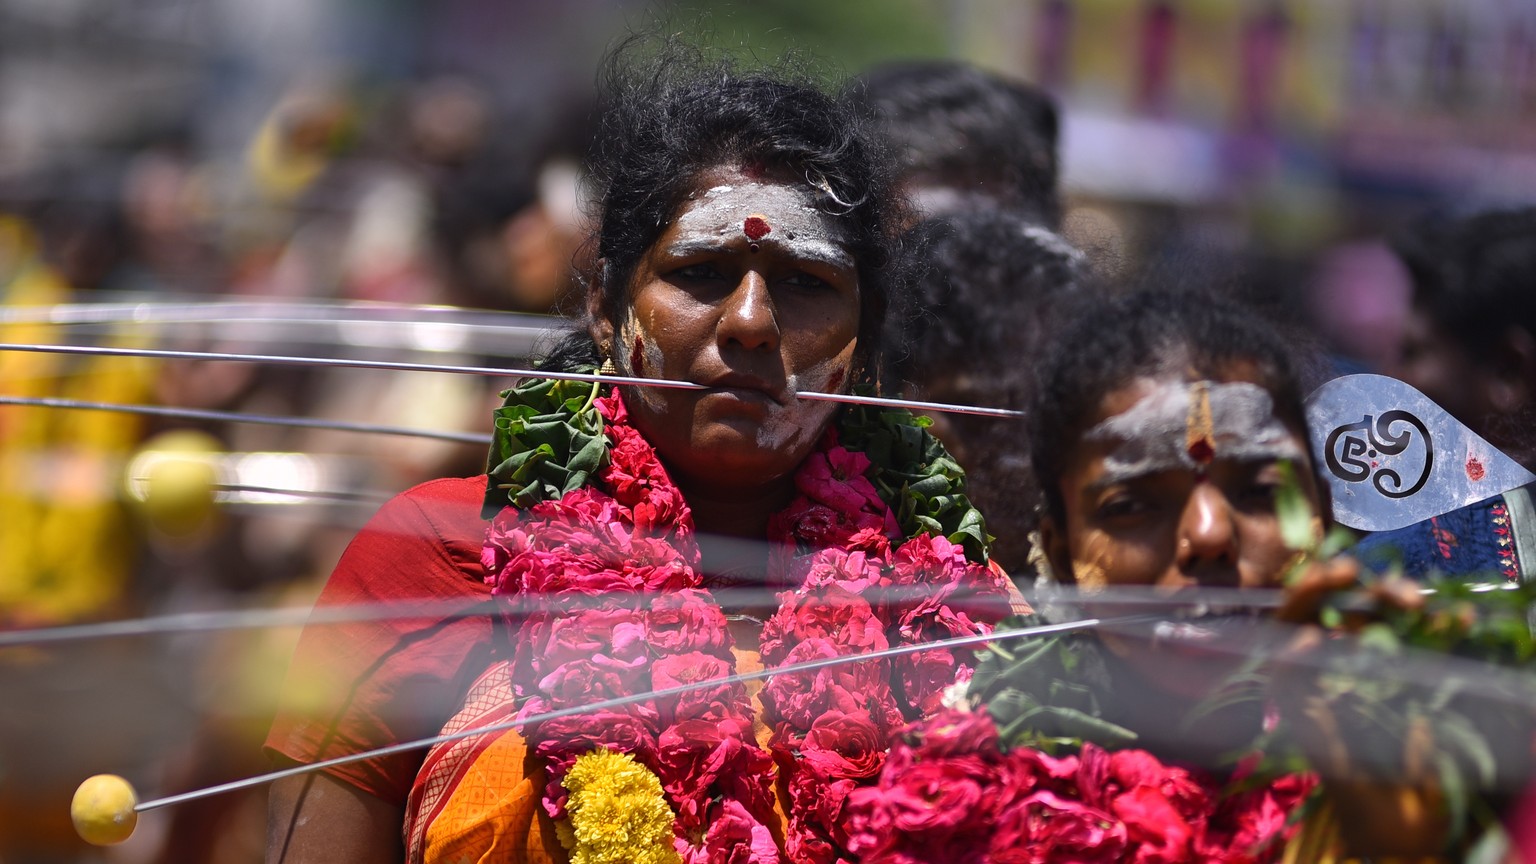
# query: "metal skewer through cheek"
(489, 371)
(620, 701)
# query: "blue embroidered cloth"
(1475, 541)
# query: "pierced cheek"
(835, 380)
(637, 359)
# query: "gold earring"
(607, 368)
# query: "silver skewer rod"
(342, 362)
(620, 701)
(438, 610)
(162, 312)
(240, 619)
(288, 360)
(911, 404)
(317, 494)
(236, 417)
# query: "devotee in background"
(977, 158)
(1163, 431)
(966, 138)
(1470, 346)
(989, 281)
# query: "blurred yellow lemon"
(174, 475)
(103, 810)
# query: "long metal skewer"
(162, 312)
(436, 610)
(620, 701)
(290, 360)
(237, 417)
(293, 616)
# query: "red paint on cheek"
(637, 357)
(1475, 469)
(756, 228)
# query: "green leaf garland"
(916, 476)
(548, 441)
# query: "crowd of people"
(1248, 685)
(672, 573)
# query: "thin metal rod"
(341, 362)
(1144, 600)
(236, 417)
(289, 360)
(318, 494)
(161, 312)
(620, 701)
(911, 404)
(435, 610)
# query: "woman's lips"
(747, 389)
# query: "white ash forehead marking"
(793, 219)
(1152, 435)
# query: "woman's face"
(1172, 487)
(753, 291)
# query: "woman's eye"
(1122, 506)
(1258, 494)
(698, 272)
(807, 282)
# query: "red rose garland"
(949, 792)
(623, 549)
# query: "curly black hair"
(673, 114)
(1473, 273)
(958, 126)
(983, 307)
(982, 298)
(1104, 343)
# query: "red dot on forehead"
(756, 227)
(1202, 451)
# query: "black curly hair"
(1104, 343)
(673, 114)
(1473, 270)
(958, 126)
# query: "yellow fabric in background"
(67, 542)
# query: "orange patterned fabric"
(477, 801)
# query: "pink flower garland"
(624, 548)
(856, 595)
(949, 793)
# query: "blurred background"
(412, 152)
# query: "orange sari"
(477, 800)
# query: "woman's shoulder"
(434, 526)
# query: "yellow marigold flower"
(617, 813)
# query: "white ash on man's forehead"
(1153, 435)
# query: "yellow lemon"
(103, 810)
(178, 474)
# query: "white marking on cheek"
(794, 425)
(650, 361)
(820, 377)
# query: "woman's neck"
(732, 526)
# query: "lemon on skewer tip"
(102, 810)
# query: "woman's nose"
(1207, 534)
(748, 317)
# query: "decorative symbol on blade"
(1354, 458)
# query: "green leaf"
(1297, 518)
(548, 440)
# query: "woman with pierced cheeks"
(754, 291)
(744, 244)
(1161, 431)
